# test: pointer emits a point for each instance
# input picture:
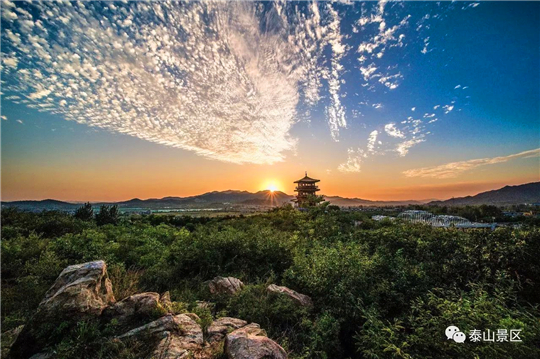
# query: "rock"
(8, 338)
(225, 285)
(41, 356)
(250, 342)
(135, 307)
(299, 298)
(222, 326)
(81, 291)
(170, 348)
(82, 288)
(179, 335)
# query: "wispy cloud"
(372, 141)
(222, 80)
(451, 170)
(354, 161)
(391, 130)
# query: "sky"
(378, 100)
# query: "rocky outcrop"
(8, 338)
(142, 305)
(250, 342)
(225, 285)
(80, 288)
(299, 298)
(80, 291)
(84, 292)
(178, 335)
(223, 326)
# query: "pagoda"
(305, 187)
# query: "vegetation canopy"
(379, 289)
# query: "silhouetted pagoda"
(305, 187)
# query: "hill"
(526, 193)
(520, 194)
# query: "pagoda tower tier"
(305, 186)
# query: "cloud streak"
(454, 169)
(220, 79)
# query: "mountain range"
(526, 193)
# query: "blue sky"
(417, 93)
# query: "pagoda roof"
(307, 179)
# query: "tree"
(312, 200)
(107, 215)
(85, 212)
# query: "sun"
(272, 188)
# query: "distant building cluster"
(443, 221)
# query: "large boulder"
(299, 298)
(135, 308)
(225, 285)
(81, 291)
(250, 342)
(179, 335)
(223, 326)
(80, 288)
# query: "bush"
(107, 215)
(379, 289)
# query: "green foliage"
(312, 200)
(380, 289)
(108, 215)
(85, 212)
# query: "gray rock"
(8, 338)
(170, 348)
(82, 288)
(250, 342)
(135, 306)
(225, 285)
(81, 291)
(179, 335)
(299, 298)
(222, 326)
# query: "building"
(305, 187)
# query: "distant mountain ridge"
(508, 195)
(526, 193)
(209, 199)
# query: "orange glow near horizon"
(272, 186)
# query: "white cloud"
(207, 80)
(375, 47)
(10, 61)
(335, 111)
(448, 109)
(454, 169)
(391, 130)
(372, 140)
(413, 109)
(354, 161)
(404, 147)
